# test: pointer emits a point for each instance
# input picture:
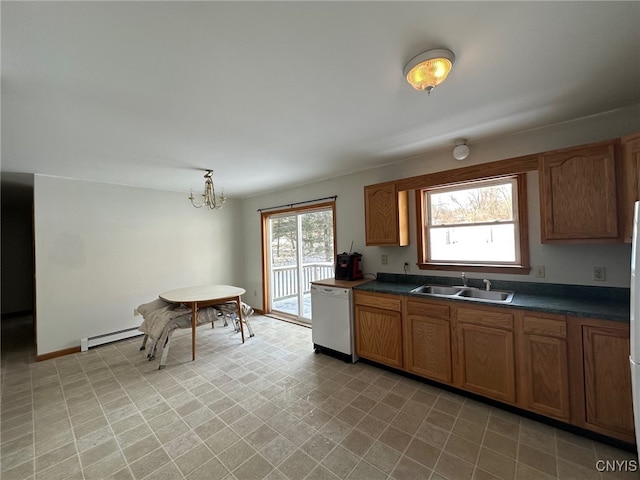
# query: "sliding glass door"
(299, 249)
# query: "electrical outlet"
(599, 274)
(407, 267)
(539, 271)
(383, 259)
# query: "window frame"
(520, 222)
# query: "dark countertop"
(332, 282)
(606, 303)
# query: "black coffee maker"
(348, 266)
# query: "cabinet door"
(487, 361)
(379, 335)
(578, 194)
(429, 347)
(386, 215)
(631, 181)
(544, 378)
(607, 379)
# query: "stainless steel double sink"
(469, 293)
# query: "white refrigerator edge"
(634, 357)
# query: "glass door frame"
(266, 246)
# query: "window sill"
(468, 267)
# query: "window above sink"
(477, 225)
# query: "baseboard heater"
(88, 342)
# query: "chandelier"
(209, 198)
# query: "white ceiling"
(275, 94)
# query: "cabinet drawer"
(545, 327)
(429, 309)
(487, 318)
(379, 301)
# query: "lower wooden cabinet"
(575, 370)
(428, 344)
(378, 329)
(486, 352)
(543, 365)
(607, 379)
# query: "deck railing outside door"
(285, 279)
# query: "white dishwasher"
(332, 322)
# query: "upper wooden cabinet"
(630, 184)
(578, 195)
(386, 213)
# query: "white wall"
(101, 250)
(569, 264)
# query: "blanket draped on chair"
(158, 313)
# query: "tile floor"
(268, 409)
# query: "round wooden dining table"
(204, 296)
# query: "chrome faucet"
(487, 283)
(465, 282)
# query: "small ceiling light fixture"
(427, 70)
(461, 151)
(209, 198)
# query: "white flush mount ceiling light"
(209, 198)
(429, 69)
(461, 150)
